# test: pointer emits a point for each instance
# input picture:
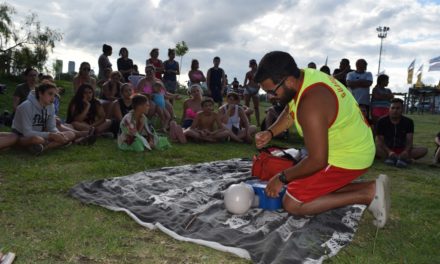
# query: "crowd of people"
(129, 106)
(344, 128)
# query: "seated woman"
(83, 77)
(122, 105)
(207, 125)
(34, 121)
(192, 105)
(234, 118)
(111, 90)
(135, 134)
(81, 137)
(85, 112)
(380, 98)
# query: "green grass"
(41, 224)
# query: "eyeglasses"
(274, 91)
(86, 69)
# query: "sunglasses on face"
(274, 91)
(86, 69)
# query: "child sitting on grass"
(207, 125)
(135, 134)
(34, 122)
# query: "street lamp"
(382, 33)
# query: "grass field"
(41, 224)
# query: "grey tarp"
(186, 202)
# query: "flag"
(411, 72)
(419, 77)
(434, 64)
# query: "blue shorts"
(171, 86)
(187, 123)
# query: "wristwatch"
(282, 178)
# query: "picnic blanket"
(186, 202)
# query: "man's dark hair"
(206, 100)
(325, 69)
(397, 100)
(381, 78)
(43, 87)
(28, 70)
(276, 65)
(138, 99)
(122, 50)
(216, 58)
(106, 48)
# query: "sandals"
(380, 206)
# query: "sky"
(238, 31)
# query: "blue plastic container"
(266, 202)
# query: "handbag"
(270, 161)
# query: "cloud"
(239, 30)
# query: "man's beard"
(288, 95)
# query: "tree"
(181, 50)
(57, 67)
(26, 45)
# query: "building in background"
(71, 67)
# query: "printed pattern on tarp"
(186, 202)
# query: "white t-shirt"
(362, 95)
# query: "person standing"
(251, 90)
(340, 73)
(104, 63)
(359, 82)
(171, 68)
(216, 80)
(338, 140)
(154, 60)
(125, 64)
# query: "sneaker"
(381, 204)
(401, 164)
(36, 149)
(390, 161)
(7, 258)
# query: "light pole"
(381, 33)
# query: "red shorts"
(321, 183)
(379, 111)
(397, 150)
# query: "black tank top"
(124, 109)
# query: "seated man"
(207, 125)
(394, 137)
(35, 124)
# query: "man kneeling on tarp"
(338, 139)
